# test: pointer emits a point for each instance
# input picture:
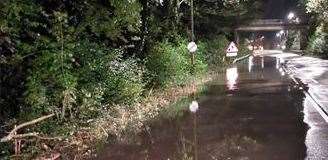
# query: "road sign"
(192, 47)
(232, 50)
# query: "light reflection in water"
(250, 63)
(193, 107)
(282, 72)
(277, 63)
(232, 76)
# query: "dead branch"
(34, 134)
(12, 134)
(21, 136)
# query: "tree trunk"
(145, 14)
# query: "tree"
(319, 7)
(19, 27)
(222, 16)
(318, 43)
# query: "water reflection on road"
(253, 111)
(231, 78)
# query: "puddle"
(251, 112)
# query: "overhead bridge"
(272, 25)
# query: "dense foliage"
(318, 43)
(78, 58)
(171, 63)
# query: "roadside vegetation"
(318, 41)
(95, 71)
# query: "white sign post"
(232, 50)
(192, 47)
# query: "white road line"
(315, 81)
(318, 106)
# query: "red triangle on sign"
(232, 48)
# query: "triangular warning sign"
(232, 48)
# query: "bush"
(89, 78)
(165, 64)
(200, 58)
(121, 78)
(243, 49)
(318, 43)
(169, 63)
(216, 50)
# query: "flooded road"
(253, 111)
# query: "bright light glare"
(283, 47)
(232, 76)
(282, 32)
(277, 63)
(291, 15)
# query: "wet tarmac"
(253, 111)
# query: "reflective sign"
(232, 50)
(192, 47)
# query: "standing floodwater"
(253, 111)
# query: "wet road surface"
(253, 111)
(311, 71)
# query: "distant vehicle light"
(283, 47)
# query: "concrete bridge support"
(303, 39)
(236, 36)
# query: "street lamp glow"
(291, 15)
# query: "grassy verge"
(119, 124)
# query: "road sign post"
(232, 50)
(192, 48)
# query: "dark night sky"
(278, 8)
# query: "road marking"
(318, 106)
(315, 81)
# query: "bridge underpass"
(275, 25)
